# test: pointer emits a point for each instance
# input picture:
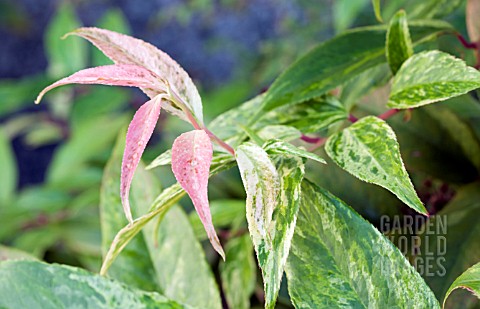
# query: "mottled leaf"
(8, 168)
(139, 132)
(123, 49)
(281, 147)
(398, 47)
(271, 234)
(469, 280)
(354, 266)
(134, 266)
(286, 133)
(430, 77)
(472, 14)
(191, 158)
(368, 149)
(238, 273)
(113, 75)
(377, 10)
(334, 62)
(29, 284)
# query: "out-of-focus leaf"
(286, 133)
(449, 240)
(377, 10)
(429, 9)
(8, 168)
(281, 147)
(64, 58)
(113, 20)
(224, 213)
(323, 68)
(469, 280)
(191, 159)
(368, 149)
(398, 47)
(353, 261)
(345, 12)
(472, 13)
(238, 273)
(139, 132)
(86, 142)
(123, 49)
(29, 284)
(8, 253)
(271, 234)
(36, 241)
(16, 94)
(134, 266)
(430, 77)
(43, 133)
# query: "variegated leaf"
(368, 149)
(269, 192)
(139, 132)
(123, 49)
(113, 75)
(430, 77)
(398, 47)
(191, 158)
(469, 280)
(276, 146)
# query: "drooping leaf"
(159, 207)
(64, 58)
(238, 273)
(398, 47)
(113, 75)
(191, 158)
(368, 149)
(473, 22)
(123, 49)
(323, 68)
(8, 168)
(271, 235)
(469, 280)
(139, 132)
(29, 284)
(179, 261)
(134, 266)
(377, 10)
(353, 262)
(281, 147)
(430, 77)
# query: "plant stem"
(220, 142)
(352, 118)
(465, 43)
(310, 140)
(388, 114)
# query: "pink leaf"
(139, 132)
(472, 16)
(191, 158)
(113, 75)
(123, 49)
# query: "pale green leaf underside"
(339, 260)
(399, 45)
(430, 77)
(279, 147)
(469, 280)
(368, 149)
(29, 284)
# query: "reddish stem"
(465, 43)
(352, 118)
(310, 140)
(388, 114)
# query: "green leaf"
(377, 10)
(29, 284)
(8, 168)
(165, 158)
(368, 149)
(354, 266)
(134, 266)
(238, 273)
(286, 133)
(336, 61)
(469, 280)
(64, 58)
(280, 147)
(399, 45)
(272, 206)
(345, 12)
(179, 261)
(9, 253)
(224, 213)
(429, 9)
(430, 77)
(16, 93)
